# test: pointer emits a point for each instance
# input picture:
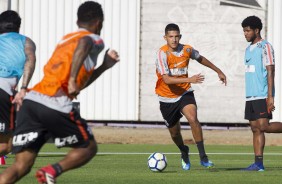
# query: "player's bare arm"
(196, 79)
(28, 70)
(204, 61)
(110, 59)
(30, 61)
(82, 50)
(270, 80)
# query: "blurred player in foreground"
(17, 58)
(47, 109)
(259, 82)
(175, 94)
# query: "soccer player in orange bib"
(47, 110)
(175, 94)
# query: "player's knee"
(255, 129)
(193, 121)
(23, 167)
(263, 128)
(92, 149)
(259, 129)
(175, 134)
(5, 149)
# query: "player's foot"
(254, 167)
(207, 164)
(185, 165)
(46, 175)
(185, 162)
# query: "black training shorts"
(256, 109)
(171, 112)
(37, 123)
(7, 113)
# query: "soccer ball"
(157, 162)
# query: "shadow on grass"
(240, 169)
(168, 172)
(273, 168)
(101, 155)
(53, 156)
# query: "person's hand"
(222, 78)
(73, 88)
(198, 78)
(18, 100)
(111, 58)
(270, 104)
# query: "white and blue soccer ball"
(157, 162)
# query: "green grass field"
(127, 164)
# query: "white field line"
(142, 153)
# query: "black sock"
(182, 148)
(202, 152)
(58, 169)
(184, 152)
(259, 159)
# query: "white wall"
(212, 29)
(274, 29)
(114, 96)
(216, 32)
(3, 5)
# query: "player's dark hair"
(253, 21)
(89, 11)
(10, 21)
(171, 27)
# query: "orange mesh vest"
(178, 66)
(57, 70)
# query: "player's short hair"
(171, 27)
(10, 21)
(89, 11)
(253, 21)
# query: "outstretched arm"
(196, 79)
(110, 59)
(84, 47)
(28, 70)
(82, 50)
(204, 61)
(163, 69)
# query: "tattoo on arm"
(82, 50)
(30, 61)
